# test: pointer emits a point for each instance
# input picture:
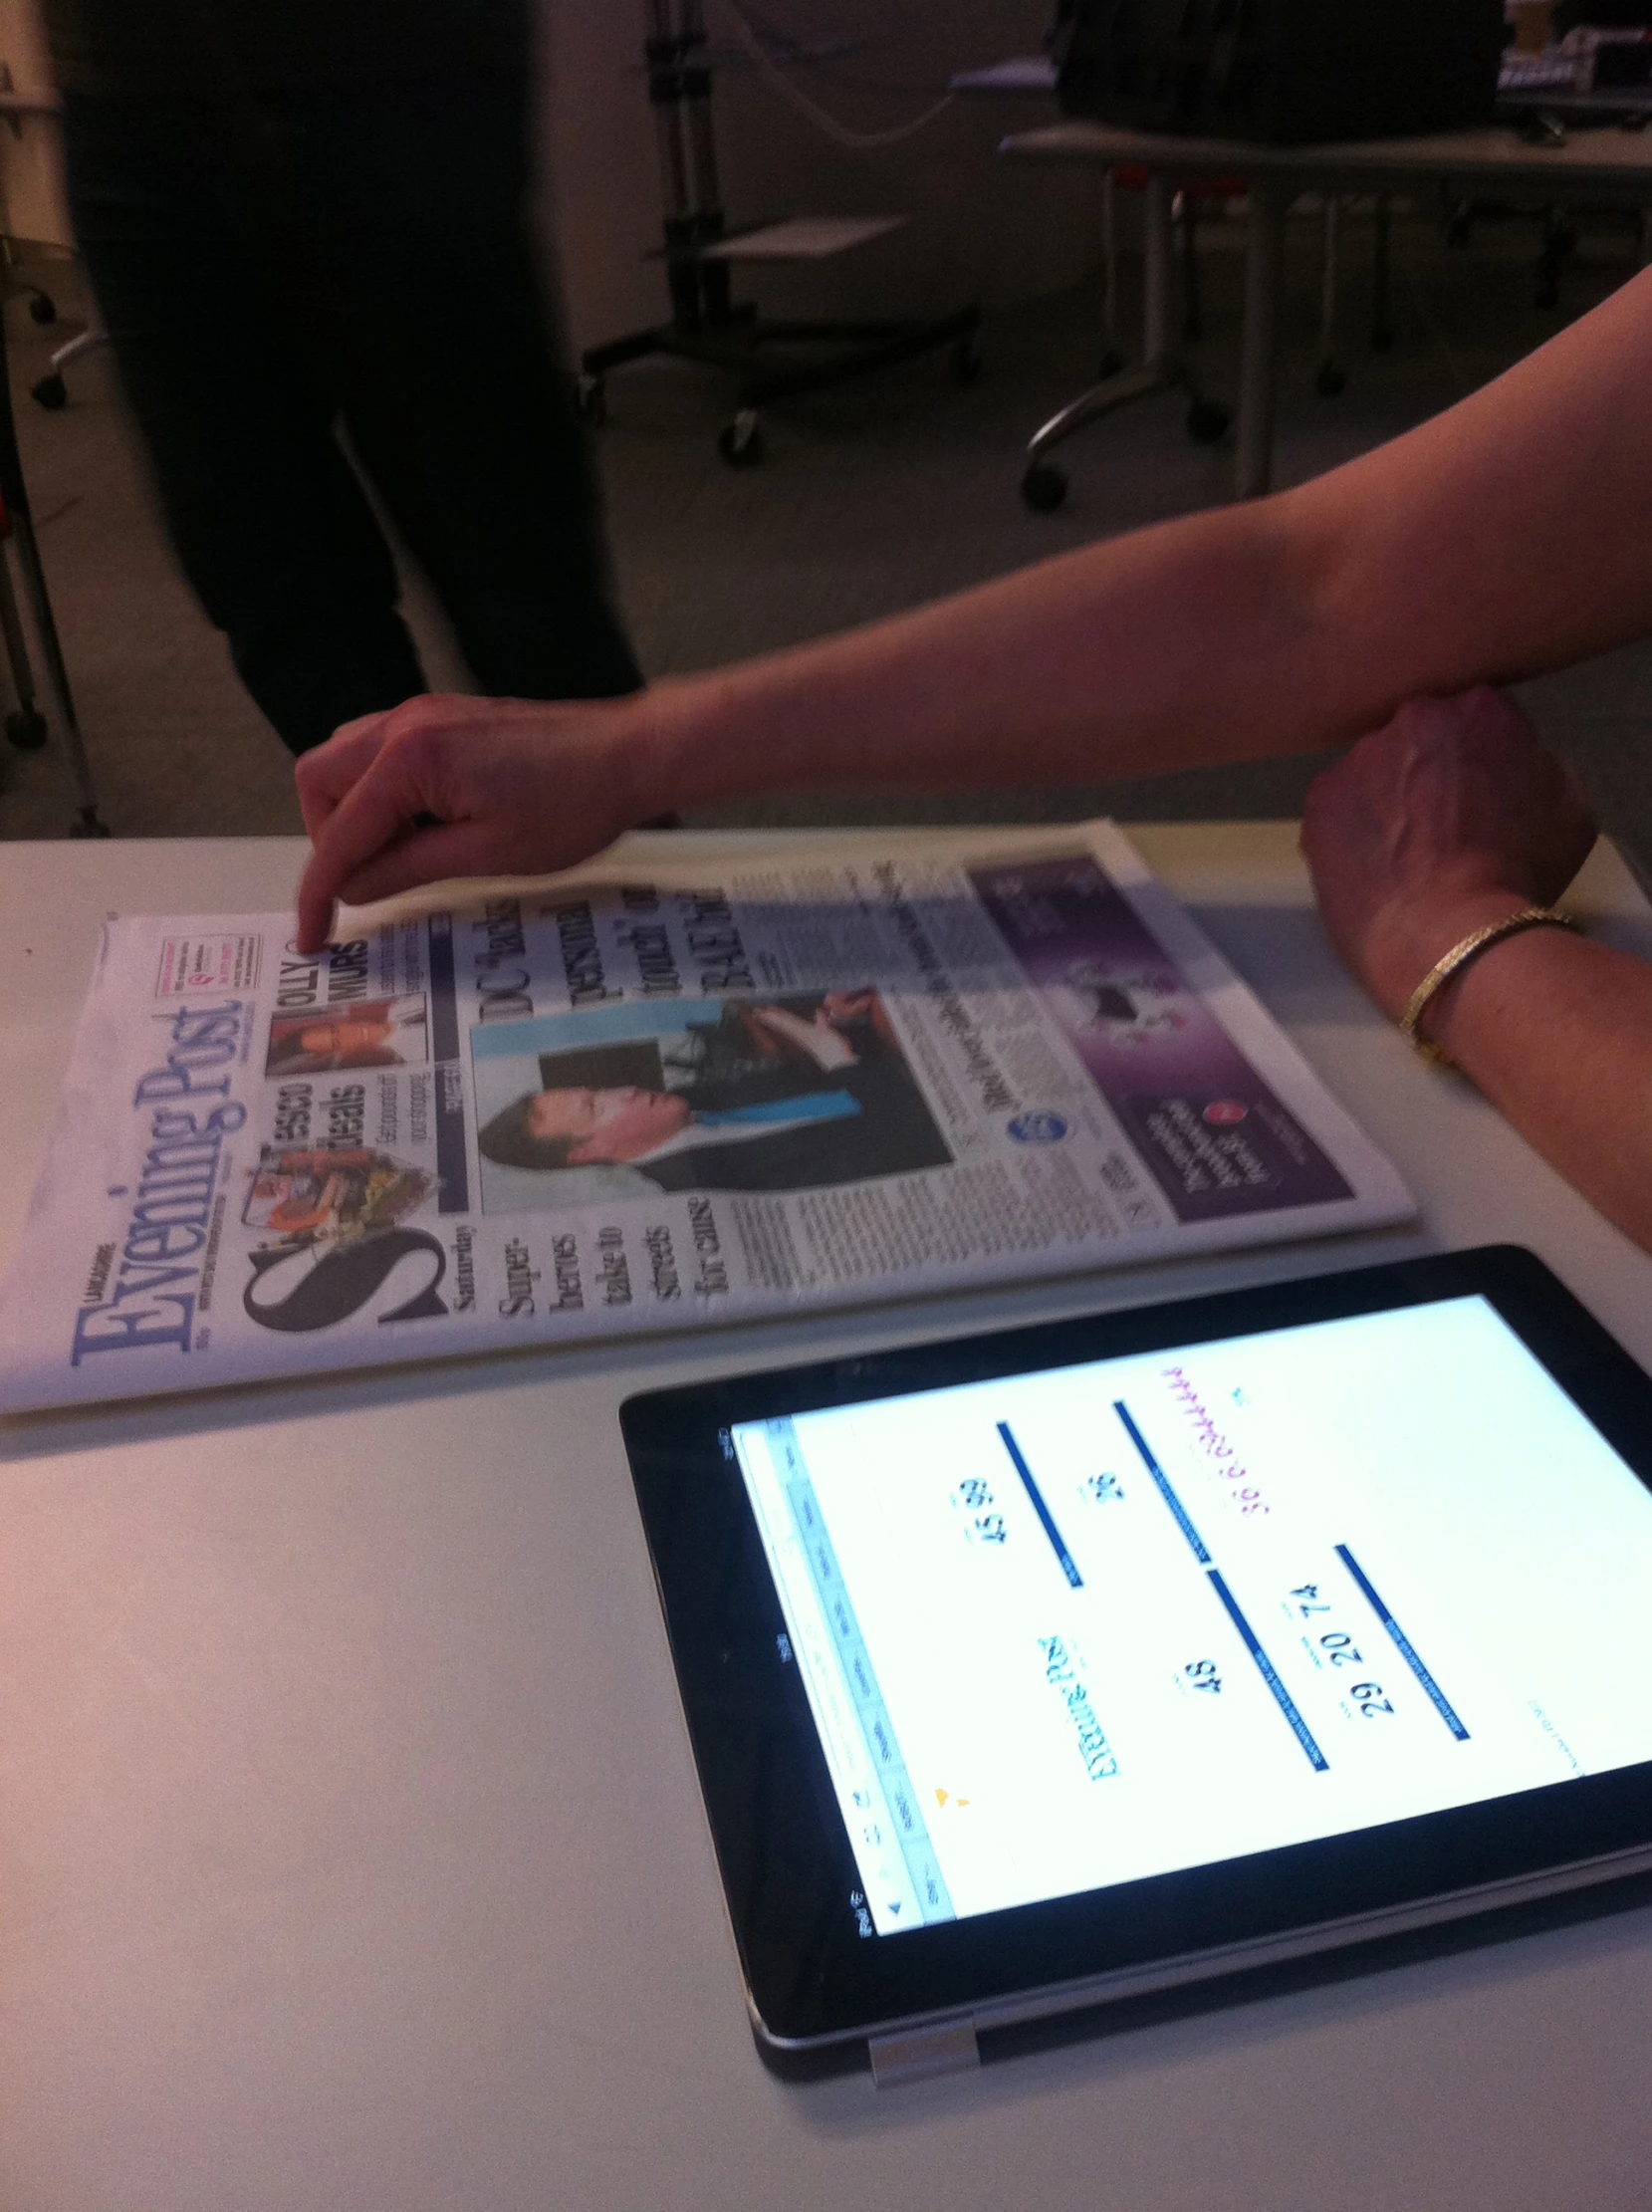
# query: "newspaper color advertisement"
(607, 1104)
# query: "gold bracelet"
(1456, 959)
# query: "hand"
(816, 1040)
(1450, 817)
(846, 1006)
(517, 789)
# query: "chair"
(50, 391)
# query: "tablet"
(1034, 1671)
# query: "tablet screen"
(1068, 1628)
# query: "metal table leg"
(1264, 261)
(1112, 360)
(1156, 255)
(1044, 487)
(1330, 379)
(1382, 320)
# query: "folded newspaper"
(609, 1103)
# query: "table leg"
(1112, 360)
(1264, 258)
(1330, 379)
(1382, 320)
(1157, 252)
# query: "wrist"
(1423, 932)
(691, 745)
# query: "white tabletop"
(350, 1854)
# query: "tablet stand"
(706, 323)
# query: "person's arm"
(1509, 535)
(1450, 817)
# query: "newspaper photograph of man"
(375, 1033)
(776, 1094)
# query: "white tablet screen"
(1070, 1628)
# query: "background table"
(1614, 162)
(350, 1855)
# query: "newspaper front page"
(617, 1102)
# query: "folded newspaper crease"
(603, 1105)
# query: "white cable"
(821, 119)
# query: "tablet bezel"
(812, 1977)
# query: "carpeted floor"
(873, 497)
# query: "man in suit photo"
(787, 1094)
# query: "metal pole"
(1112, 360)
(704, 184)
(55, 675)
(1156, 301)
(17, 645)
(39, 604)
(1264, 257)
(1383, 327)
(663, 52)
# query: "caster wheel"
(1043, 488)
(26, 728)
(590, 401)
(1330, 382)
(967, 361)
(50, 392)
(740, 441)
(1207, 422)
(90, 823)
(43, 308)
(1109, 366)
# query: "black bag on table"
(1292, 72)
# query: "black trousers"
(274, 270)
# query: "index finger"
(376, 808)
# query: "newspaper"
(614, 1103)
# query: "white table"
(350, 1855)
(1613, 163)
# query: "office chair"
(50, 391)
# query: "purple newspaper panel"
(1217, 1140)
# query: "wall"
(983, 228)
(29, 183)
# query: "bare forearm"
(1510, 535)
(1069, 671)
(1558, 1033)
